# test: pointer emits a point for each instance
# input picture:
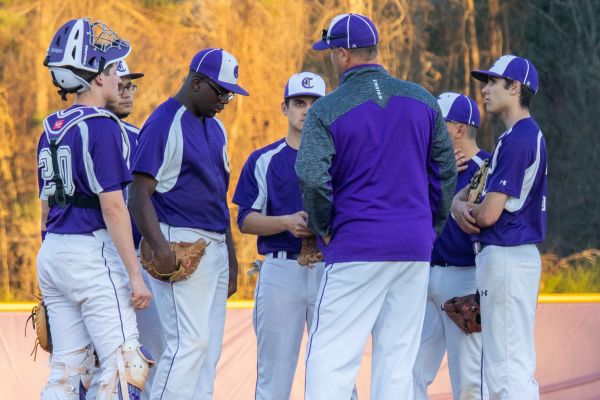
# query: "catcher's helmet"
(82, 45)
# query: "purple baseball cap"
(219, 66)
(512, 67)
(459, 108)
(304, 84)
(349, 31)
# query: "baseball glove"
(187, 256)
(478, 182)
(310, 253)
(41, 324)
(464, 311)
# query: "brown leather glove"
(187, 257)
(465, 313)
(310, 253)
(478, 182)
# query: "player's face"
(124, 105)
(211, 98)
(296, 111)
(111, 84)
(496, 95)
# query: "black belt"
(283, 255)
(440, 263)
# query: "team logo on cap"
(307, 83)
(235, 71)
(120, 67)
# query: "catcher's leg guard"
(127, 383)
(71, 375)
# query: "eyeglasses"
(327, 38)
(130, 88)
(222, 94)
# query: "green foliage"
(578, 273)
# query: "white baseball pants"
(440, 334)
(358, 299)
(86, 290)
(192, 315)
(508, 279)
(284, 304)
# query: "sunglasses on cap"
(327, 38)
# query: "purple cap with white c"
(304, 84)
(349, 31)
(512, 67)
(459, 108)
(219, 66)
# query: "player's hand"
(296, 224)
(140, 294)
(461, 212)
(461, 160)
(165, 260)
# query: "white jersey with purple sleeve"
(93, 157)
(187, 156)
(453, 246)
(268, 185)
(519, 170)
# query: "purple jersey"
(187, 156)
(519, 170)
(268, 185)
(377, 168)
(453, 246)
(133, 133)
(93, 156)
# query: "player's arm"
(487, 213)
(144, 215)
(116, 217)
(312, 167)
(233, 263)
(256, 223)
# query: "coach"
(377, 172)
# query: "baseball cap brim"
(135, 75)
(233, 88)
(483, 75)
(321, 45)
(311, 94)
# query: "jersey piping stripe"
(514, 204)
(260, 174)
(171, 165)
(87, 159)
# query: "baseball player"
(377, 173)
(505, 226)
(181, 175)
(452, 273)
(147, 319)
(270, 206)
(87, 268)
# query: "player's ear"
(284, 108)
(515, 88)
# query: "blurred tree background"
(433, 42)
